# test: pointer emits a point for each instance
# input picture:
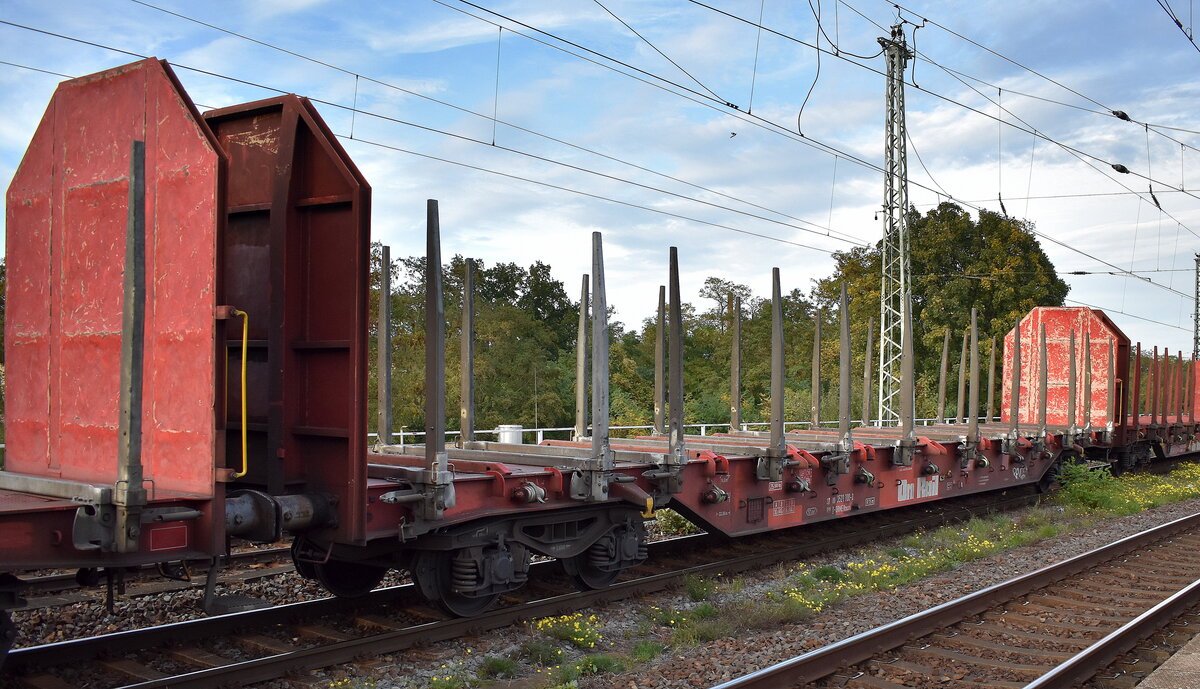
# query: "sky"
(672, 123)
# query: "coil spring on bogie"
(600, 555)
(464, 574)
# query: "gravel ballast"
(623, 624)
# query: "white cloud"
(1145, 68)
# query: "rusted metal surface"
(1059, 323)
(296, 259)
(68, 207)
(65, 248)
(823, 662)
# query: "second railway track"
(1056, 627)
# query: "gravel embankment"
(704, 665)
(86, 618)
(624, 623)
(728, 658)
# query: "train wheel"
(347, 579)
(8, 635)
(587, 576)
(434, 574)
(1049, 480)
(304, 567)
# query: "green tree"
(994, 264)
(524, 344)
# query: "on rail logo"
(925, 487)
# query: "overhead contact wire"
(463, 137)
(468, 111)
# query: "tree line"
(526, 329)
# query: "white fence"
(539, 434)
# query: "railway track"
(1053, 628)
(267, 644)
(64, 588)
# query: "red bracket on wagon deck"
(798, 454)
(714, 463)
(499, 482)
(556, 480)
(934, 449)
(868, 451)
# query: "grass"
(699, 588)
(541, 652)
(671, 523)
(666, 617)
(493, 667)
(645, 651)
(587, 666)
(575, 629)
(807, 591)
(1099, 492)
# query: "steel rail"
(823, 662)
(60, 583)
(1083, 665)
(274, 666)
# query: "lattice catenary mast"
(1196, 316)
(896, 294)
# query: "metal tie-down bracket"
(590, 478)
(771, 465)
(906, 446)
(1011, 443)
(432, 491)
(668, 475)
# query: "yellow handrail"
(245, 344)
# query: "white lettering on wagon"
(925, 487)
(840, 503)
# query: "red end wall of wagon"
(1060, 322)
(67, 209)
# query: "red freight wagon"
(186, 343)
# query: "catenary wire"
(1079, 154)
(856, 159)
(1107, 111)
(655, 48)
(1028, 128)
(617, 201)
(928, 174)
(481, 142)
(768, 124)
(1126, 313)
(995, 53)
(585, 193)
(771, 124)
(498, 173)
(1175, 20)
(468, 111)
(1033, 132)
(1084, 195)
(1073, 151)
